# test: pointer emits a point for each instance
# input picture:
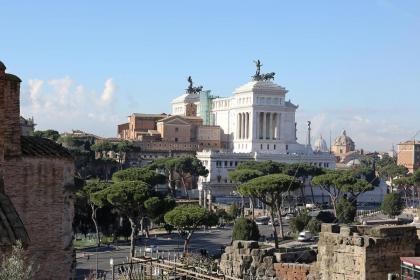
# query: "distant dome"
(353, 162)
(320, 145)
(2, 66)
(343, 140)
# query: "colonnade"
(268, 125)
(243, 125)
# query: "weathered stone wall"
(292, 271)
(38, 188)
(351, 253)
(246, 259)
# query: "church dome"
(320, 145)
(2, 66)
(343, 140)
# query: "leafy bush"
(326, 217)
(346, 211)
(245, 229)
(234, 210)
(298, 223)
(169, 228)
(16, 265)
(392, 205)
(314, 226)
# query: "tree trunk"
(185, 187)
(253, 207)
(132, 237)
(98, 239)
(302, 193)
(186, 244)
(147, 230)
(276, 239)
(242, 206)
(278, 206)
(334, 204)
(171, 183)
(312, 192)
(141, 227)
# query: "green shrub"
(314, 226)
(245, 229)
(298, 223)
(326, 217)
(346, 211)
(392, 205)
(169, 228)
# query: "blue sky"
(351, 65)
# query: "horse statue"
(268, 76)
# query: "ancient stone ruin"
(363, 252)
(253, 260)
(344, 252)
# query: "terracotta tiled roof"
(42, 147)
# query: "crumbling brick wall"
(38, 189)
(292, 271)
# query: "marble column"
(273, 126)
(246, 125)
(255, 126)
(210, 200)
(243, 125)
(205, 198)
(200, 194)
(264, 125)
(240, 126)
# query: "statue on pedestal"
(259, 76)
(191, 88)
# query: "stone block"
(347, 230)
(237, 244)
(250, 244)
(268, 260)
(333, 228)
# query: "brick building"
(409, 155)
(39, 180)
(161, 135)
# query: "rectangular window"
(261, 147)
(268, 146)
(274, 146)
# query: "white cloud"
(63, 104)
(108, 92)
(61, 88)
(35, 87)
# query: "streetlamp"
(111, 263)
